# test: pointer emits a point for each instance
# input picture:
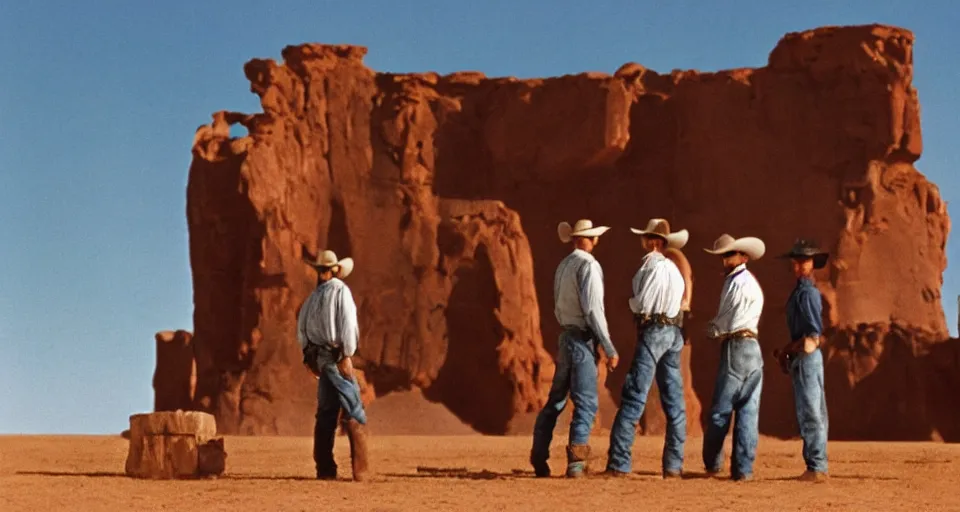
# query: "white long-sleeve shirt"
(329, 317)
(741, 302)
(578, 296)
(657, 287)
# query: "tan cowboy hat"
(583, 227)
(661, 228)
(328, 259)
(749, 245)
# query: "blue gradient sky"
(99, 102)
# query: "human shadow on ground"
(462, 473)
(90, 474)
(833, 477)
(486, 474)
(112, 474)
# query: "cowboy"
(578, 307)
(658, 291)
(740, 375)
(328, 333)
(802, 359)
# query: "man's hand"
(712, 331)
(309, 369)
(792, 349)
(783, 360)
(612, 363)
(346, 367)
(810, 344)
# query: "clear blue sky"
(99, 101)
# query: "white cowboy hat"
(583, 227)
(749, 245)
(328, 259)
(661, 228)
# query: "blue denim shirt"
(804, 311)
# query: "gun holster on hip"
(312, 354)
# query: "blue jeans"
(657, 355)
(738, 386)
(811, 401)
(334, 393)
(576, 374)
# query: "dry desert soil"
(471, 473)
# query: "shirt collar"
(736, 270)
(653, 255)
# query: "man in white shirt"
(740, 376)
(578, 307)
(658, 293)
(328, 332)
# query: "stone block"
(174, 444)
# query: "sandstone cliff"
(447, 191)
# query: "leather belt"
(584, 332)
(643, 319)
(737, 335)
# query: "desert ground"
(471, 472)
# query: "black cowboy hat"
(804, 248)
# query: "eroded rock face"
(424, 180)
(175, 377)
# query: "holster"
(312, 353)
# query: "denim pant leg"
(633, 399)
(670, 384)
(583, 390)
(746, 429)
(556, 402)
(325, 428)
(746, 363)
(811, 403)
(348, 393)
(721, 409)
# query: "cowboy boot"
(357, 434)
(813, 476)
(540, 467)
(577, 456)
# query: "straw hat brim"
(566, 233)
(676, 240)
(345, 265)
(749, 245)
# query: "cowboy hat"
(583, 227)
(661, 228)
(749, 245)
(328, 259)
(804, 248)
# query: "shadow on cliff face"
(901, 385)
(229, 310)
(338, 237)
(474, 333)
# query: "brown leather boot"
(357, 434)
(577, 456)
(813, 476)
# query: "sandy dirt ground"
(471, 473)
